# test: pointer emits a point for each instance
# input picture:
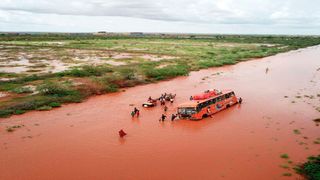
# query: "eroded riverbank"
(80, 141)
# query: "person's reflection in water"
(135, 120)
(122, 140)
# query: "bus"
(199, 108)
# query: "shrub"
(111, 88)
(86, 71)
(21, 90)
(127, 73)
(167, 72)
(52, 88)
(19, 111)
(310, 169)
(209, 63)
(5, 113)
(54, 104)
(10, 129)
(284, 156)
(44, 108)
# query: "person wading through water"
(173, 116)
(209, 112)
(165, 108)
(163, 117)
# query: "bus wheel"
(204, 116)
(228, 105)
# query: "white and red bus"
(206, 104)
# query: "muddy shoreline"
(80, 141)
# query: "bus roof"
(194, 103)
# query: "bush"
(167, 72)
(44, 108)
(127, 73)
(310, 169)
(284, 156)
(209, 63)
(55, 104)
(21, 90)
(55, 89)
(19, 111)
(5, 113)
(111, 88)
(86, 71)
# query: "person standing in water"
(165, 108)
(163, 117)
(240, 100)
(173, 116)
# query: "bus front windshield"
(187, 110)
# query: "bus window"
(232, 94)
(227, 95)
(213, 101)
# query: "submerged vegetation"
(100, 64)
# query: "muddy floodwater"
(80, 141)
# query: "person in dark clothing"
(162, 102)
(165, 108)
(135, 110)
(173, 116)
(163, 117)
(191, 98)
(240, 100)
(122, 133)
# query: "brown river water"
(81, 141)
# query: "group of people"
(163, 117)
(166, 97)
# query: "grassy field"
(42, 71)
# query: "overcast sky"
(182, 16)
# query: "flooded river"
(80, 141)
